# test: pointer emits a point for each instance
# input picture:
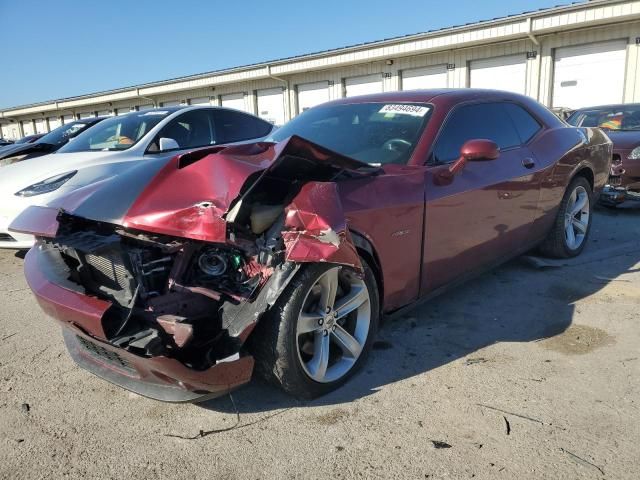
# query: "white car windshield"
(117, 133)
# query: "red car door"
(483, 213)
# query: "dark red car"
(172, 280)
(622, 125)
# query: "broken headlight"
(635, 154)
(46, 186)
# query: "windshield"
(117, 133)
(620, 117)
(62, 134)
(374, 133)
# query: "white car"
(140, 140)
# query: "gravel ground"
(522, 373)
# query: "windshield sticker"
(400, 109)
(155, 112)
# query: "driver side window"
(469, 122)
(190, 130)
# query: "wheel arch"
(586, 172)
(367, 251)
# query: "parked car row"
(180, 248)
(622, 125)
(33, 146)
(103, 148)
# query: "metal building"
(572, 56)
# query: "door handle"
(528, 162)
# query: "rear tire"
(308, 351)
(572, 225)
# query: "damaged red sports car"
(174, 279)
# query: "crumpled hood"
(189, 195)
(207, 194)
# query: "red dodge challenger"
(175, 279)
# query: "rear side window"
(480, 121)
(189, 130)
(234, 126)
(526, 125)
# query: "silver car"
(140, 140)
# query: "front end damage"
(163, 301)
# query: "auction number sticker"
(403, 109)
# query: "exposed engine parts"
(169, 295)
(214, 263)
(196, 298)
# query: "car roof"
(179, 108)
(420, 96)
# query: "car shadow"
(514, 303)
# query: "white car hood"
(22, 174)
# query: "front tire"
(571, 228)
(320, 331)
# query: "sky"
(53, 49)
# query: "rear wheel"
(320, 331)
(571, 228)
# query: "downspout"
(530, 32)
(155, 104)
(536, 42)
(288, 90)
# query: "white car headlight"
(635, 154)
(46, 186)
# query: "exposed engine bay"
(194, 300)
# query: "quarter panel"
(568, 150)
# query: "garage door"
(10, 131)
(87, 115)
(123, 110)
(27, 128)
(271, 105)
(67, 119)
(363, 85)
(148, 106)
(54, 122)
(500, 73)
(172, 103)
(587, 75)
(312, 94)
(41, 125)
(234, 100)
(199, 101)
(427, 77)
(105, 113)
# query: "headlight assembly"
(46, 186)
(635, 154)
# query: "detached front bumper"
(160, 378)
